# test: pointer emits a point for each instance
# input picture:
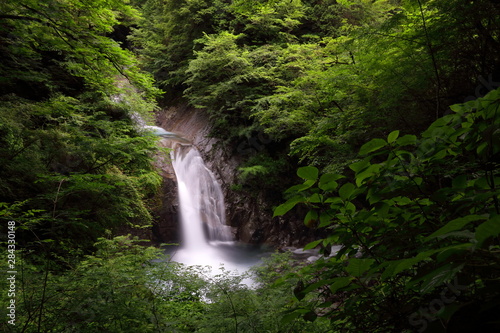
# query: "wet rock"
(166, 214)
(250, 216)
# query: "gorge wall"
(249, 215)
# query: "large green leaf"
(312, 245)
(357, 267)
(328, 177)
(301, 187)
(372, 146)
(455, 250)
(327, 182)
(407, 140)
(311, 218)
(367, 173)
(315, 198)
(390, 267)
(392, 136)
(308, 172)
(490, 228)
(408, 263)
(340, 282)
(287, 206)
(360, 165)
(346, 191)
(436, 277)
(454, 225)
(325, 218)
(293, 315)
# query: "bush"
(420, 219)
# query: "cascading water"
(201, 202)
(206, 239)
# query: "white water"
(206, 239)
(201, 202)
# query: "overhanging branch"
(17, 17)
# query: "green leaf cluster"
(416, 213)
(73, 162)
(63, 46)
(122, 287)
(80, 164)
(320, 77)
(126, 287)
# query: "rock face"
(166, 211)
(250, 216)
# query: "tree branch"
(433, 58)
(17, 17)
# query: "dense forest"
(377, 120)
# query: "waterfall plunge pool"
(206, 240)
(234, 257)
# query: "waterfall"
(201, 201)
(206, 239)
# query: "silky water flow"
(206, 240)
(201, 202)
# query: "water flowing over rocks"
(249, 216)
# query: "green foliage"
(70, 152)
(126, 287)
(217, 72)
(381, 66)
(320, 77)
(227, 79)
(263, 165)
(77, 162)
(167, 37)
(323, 79)
(167, 33)
(418, 213)
(269, 21)
(123, 287)
(235, 307)
(61, 46)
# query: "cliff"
(250, 215)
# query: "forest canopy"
(320, 77)
(73, 164)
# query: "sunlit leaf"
(308, 172)
(287, 206)
(392, 136)
(312, 245)
(372, 146)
